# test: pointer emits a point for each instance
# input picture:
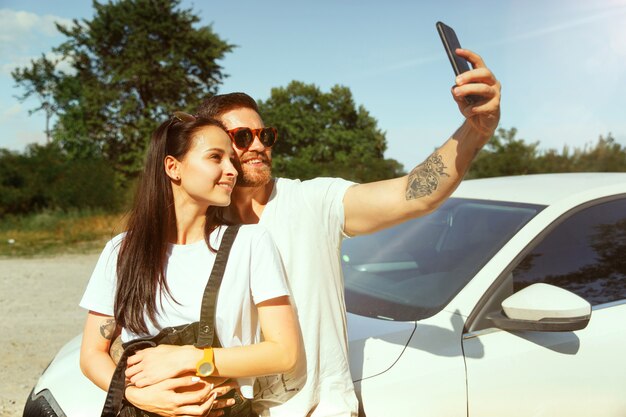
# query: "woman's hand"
(186, 395)
(152, 365)
(182, 396)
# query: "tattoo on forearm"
(116, 349)
(107, 329)
(424, 179)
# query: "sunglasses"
(243, 137)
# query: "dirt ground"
(39, 313)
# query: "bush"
(504, 154)
(43, 177)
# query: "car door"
(580, 373)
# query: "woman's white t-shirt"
(254, 273)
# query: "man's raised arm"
(377, 205)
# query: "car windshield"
(411, 271)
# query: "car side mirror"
(543, 308)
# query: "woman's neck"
(190, 221)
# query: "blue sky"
(562, 64)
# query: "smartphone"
(450, 44)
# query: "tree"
(132, 64)
(324, 134)
(39, 80)
(606, 156)
(505, 155)
(42, 177)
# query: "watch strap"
(206, 358)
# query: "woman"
(153, 276)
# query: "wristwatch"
(206, 366)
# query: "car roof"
(544, 189)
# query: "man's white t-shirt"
(306, 220)
(253, 274)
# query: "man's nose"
(256, 144)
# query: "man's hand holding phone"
(477, 91)
(483, 114)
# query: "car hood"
(62, 377)
(375, 344)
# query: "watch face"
(205, 369)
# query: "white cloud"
(20, 128)
(10, 112)
(23, 61)
(17, 26)
(24, 35)
(13, 23)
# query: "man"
(309, 219)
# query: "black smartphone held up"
(451, 43)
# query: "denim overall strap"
(206, 329)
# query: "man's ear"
(172, 167)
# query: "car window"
(585, 254)
(411, 271)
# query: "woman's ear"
(172, 167)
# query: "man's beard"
(254, 176)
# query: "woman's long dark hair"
(143, 252)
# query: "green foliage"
(39, 80)
(43, 177)
(324, 134)
(131, 65)
(506, 155)
(605, 156)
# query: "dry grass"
(52, 233)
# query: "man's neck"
(247, 203)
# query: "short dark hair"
(215, 106)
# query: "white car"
(509, 300)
